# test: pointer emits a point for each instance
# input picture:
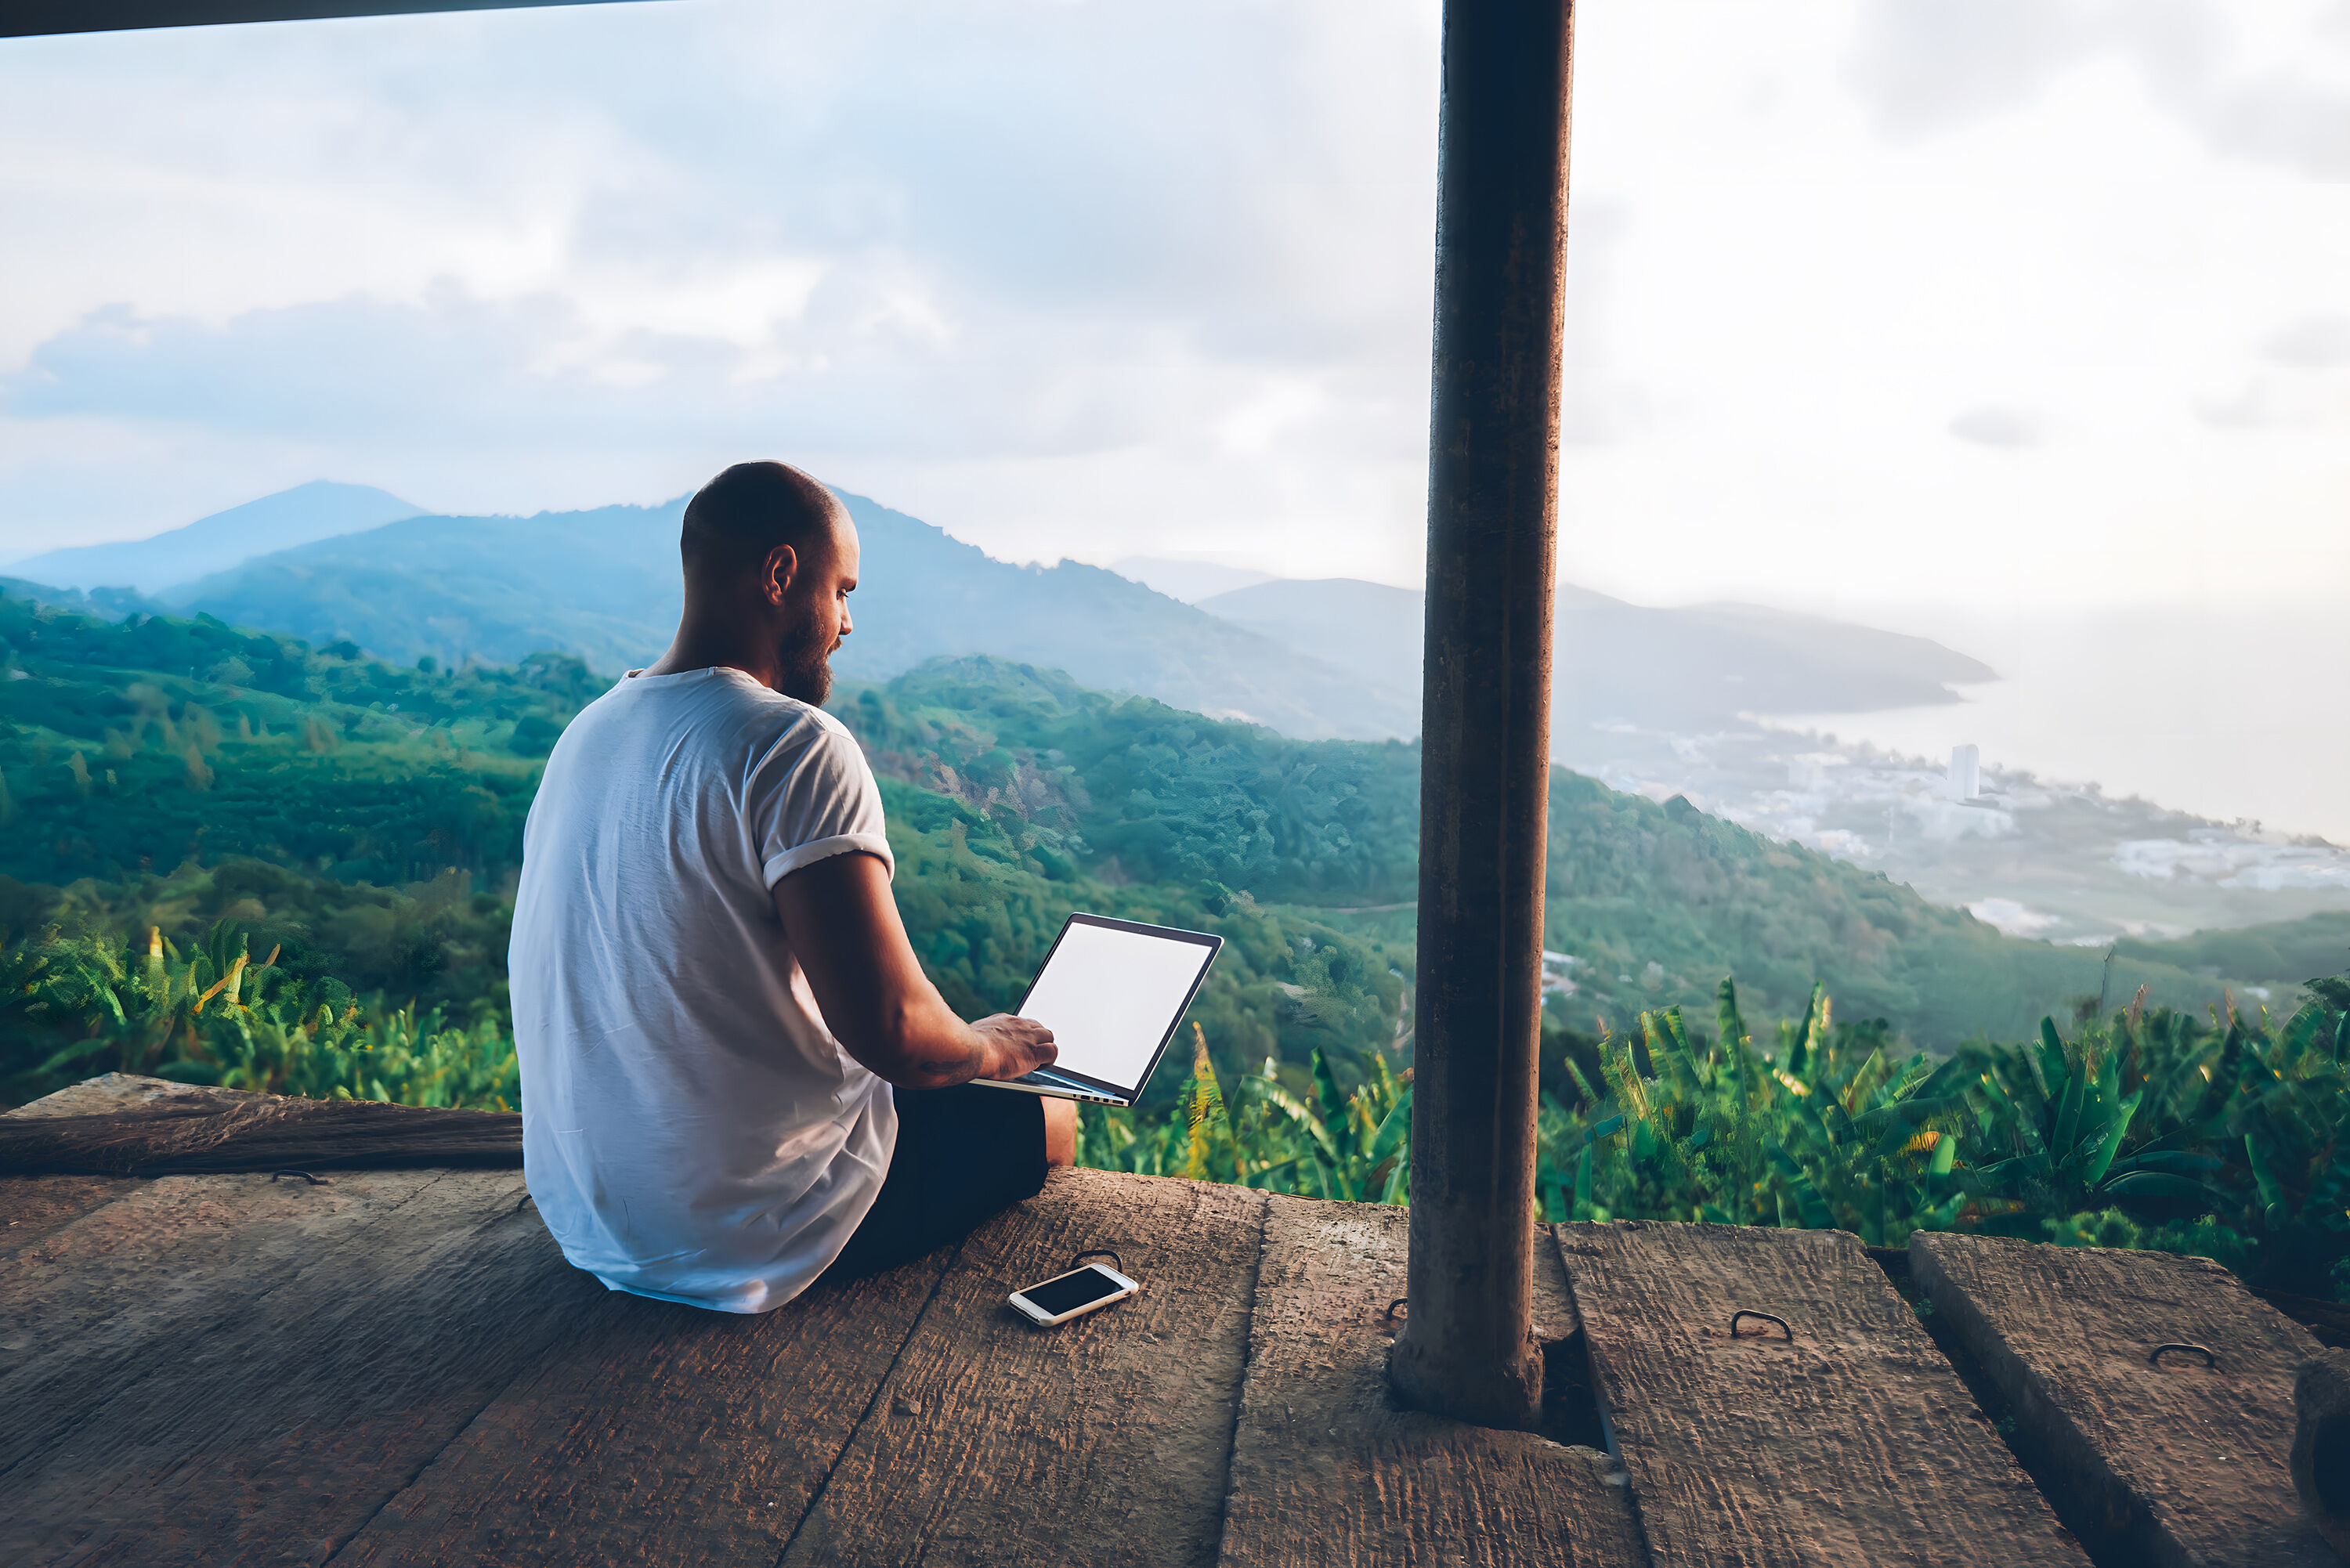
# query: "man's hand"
(844, 928)
(1021, 1046)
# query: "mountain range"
(604, 585)
(318, 510)
(1311, 659)
(1616, 663)
(1190, 581)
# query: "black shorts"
(962, 1154)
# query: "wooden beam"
(2184, 1463)
(660, 1433)
(33, 18)
(1103, 1442)
(31, 1207)
(1327, 1471)
(1468, 1350)
(1853, 1443)
(224, 1369)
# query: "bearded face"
(805, 656)
(816, 614)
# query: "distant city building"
(1813, 770)
(1966, 772)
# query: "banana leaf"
(1393, 1131)
(1297, 1111)
(2117, 1122)
(2161, 1184)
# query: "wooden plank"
(111, 1093)
(666, 1434)
(31, 1207)
(266, 1134)
(94, 1303)
(2327, 1322)
(229, 1371)
(2188, 1464)
(123, 1124)
(1855, 1443)
(1326, 1470)
(1104, 1441)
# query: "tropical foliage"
(2228, 1138)
(212, 1014)
(1319, 1142)
(236, 858)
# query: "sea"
(2236, 714)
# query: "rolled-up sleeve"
(814, 797)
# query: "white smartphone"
(1073, 1295)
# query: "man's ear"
(782, 564)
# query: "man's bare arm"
(844, 928)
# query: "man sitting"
(734, 1075)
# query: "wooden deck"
(397, 1367)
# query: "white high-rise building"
(1966, 772)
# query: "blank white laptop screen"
(1110, 997)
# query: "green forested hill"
(1653, 904)
(1658, 902)
(1133, 790)
(2278, 957)
(366, 819)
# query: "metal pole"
(1466, 1349)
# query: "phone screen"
(1071, 1292)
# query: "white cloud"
(2014, 918)
(558, 258)
(1818, 269)
(1991, 425)
(2310, 343)
(2268, 84)
(1095, 279)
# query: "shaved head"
(771, 558)
(736, 520)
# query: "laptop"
(1112, 992)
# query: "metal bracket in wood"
(1404, 1301)
(2154, 1357)
(1762, 1316)
(313, 1180)
(1079, 1261)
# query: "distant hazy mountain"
(933, 595)
(604, 585)
(318, 510)
(106, 604)
(601, 584)
(1310, 659)
(1365, 627)
(1666, 669)
(1190, 581)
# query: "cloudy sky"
(1877, 303)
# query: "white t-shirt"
(691, 1128)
